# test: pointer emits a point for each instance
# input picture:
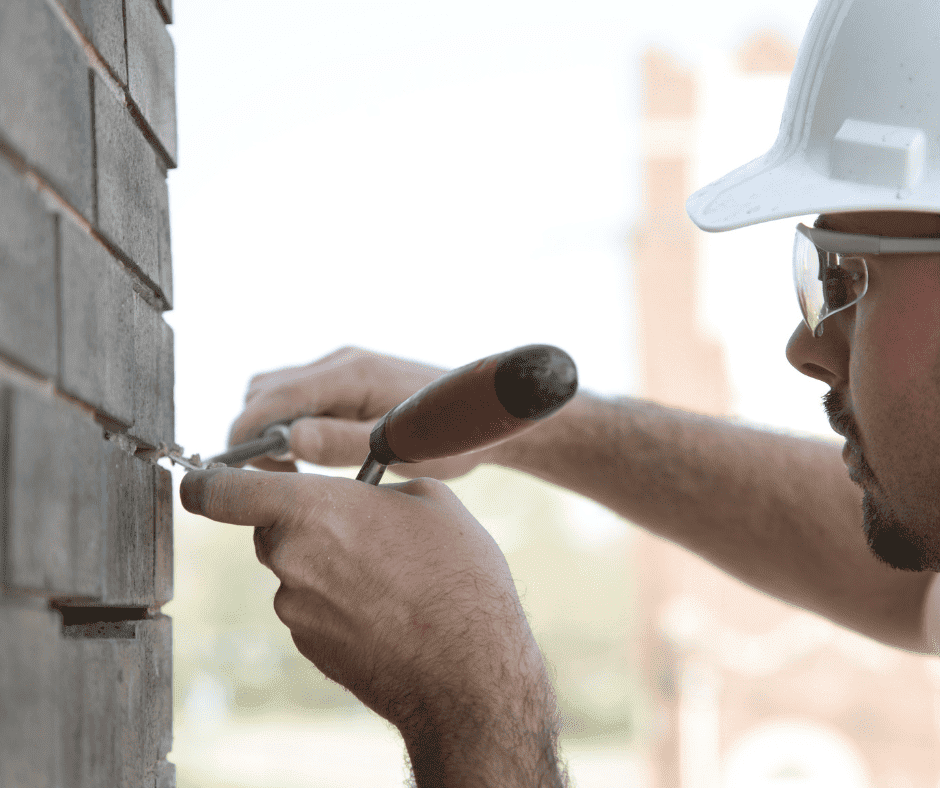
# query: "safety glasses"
(830, 271)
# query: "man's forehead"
(896, 224)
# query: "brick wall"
(87, 134)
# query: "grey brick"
(102, 23)
(56, 517)
(118, 720)
(5, 395)
(103, 741)
(127, 183)
(130, 528)
(30, 684)
(163, 537)
(166, 10)
(154, 389)
(45, 111)
(166, 775)
(166, 410)
(164, 255)
(98, 361)
(151, 70)
(156, 638)
(27, 274)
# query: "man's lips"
(851, 457)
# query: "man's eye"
(836, 288)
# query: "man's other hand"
(395, 592)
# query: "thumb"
(331, 442)
(231, 495)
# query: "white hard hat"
(861, 124)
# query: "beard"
(891, 533)
(891, 539)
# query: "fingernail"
(193, 486)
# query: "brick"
(127, 183)
(98, 362)
(30, 684)
(156, 638)
(154, 390)
(166, 10)
(103, 706)
(56, 512)
(5, 395)
(163, 537)
(164, 256)
(118, 703)
(130, 529)
(27, 274)
(45, 105)
(166, 775)
(102, 23)
(151, 71)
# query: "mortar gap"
(79, 615)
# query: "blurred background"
(441, 182)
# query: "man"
(398, 594)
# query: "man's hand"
(334, 403)
(397, 593)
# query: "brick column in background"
(87, 135)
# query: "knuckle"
(282, 605)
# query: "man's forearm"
(508, 738)
(776, 511)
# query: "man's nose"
(824, 358)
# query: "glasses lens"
(807, 261)
(826, 283)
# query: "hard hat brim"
(757, 193)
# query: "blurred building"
(744, 690)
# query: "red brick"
(127, 183)
(45, 105)
(102, 23)
(154, 391)
(130, 529)
(30, 690)
(56, 514)
(163, 538)
(27, 274)
(98, 361)
(151, 71)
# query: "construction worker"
(398, 593)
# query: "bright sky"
(437, 181)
